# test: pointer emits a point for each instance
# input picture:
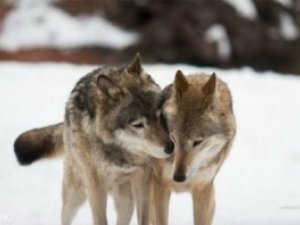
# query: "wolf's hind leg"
(123, 200)
(73, 197)
(204, 204)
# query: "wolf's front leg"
(73, 192)
(161, 197)
(97, 196)
(95, 188)
(204, 204)
(84, 155)
(141, 193)
(123, 200)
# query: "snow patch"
(287, 27)
(286, 3)
(35, 25)
(217, 33)
(28, 2)
(246, 8)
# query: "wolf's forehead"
(193, 124)
(192, 99)
(188, 123)
(139, 104)
(145, 97)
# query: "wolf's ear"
(181, 84)
(135, 67)
(107, 87)
(210, 86)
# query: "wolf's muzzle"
(179, 177)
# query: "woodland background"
(263, 34)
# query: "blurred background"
(262, 34)
(259, 183)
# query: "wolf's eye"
(198, 142)
(138, 125)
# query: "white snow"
(258, 185)
(217, 33)
(36, 24)
(245, 8)
(26, 2)
(286, 3)
(287, 27)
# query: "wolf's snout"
(179, 177)
(179, 174)
(169, 148)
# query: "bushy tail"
(39, 143)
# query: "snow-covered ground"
(245, 8)
(36, 24)
(258, 185)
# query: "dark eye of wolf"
(195, 143)
(138, 125)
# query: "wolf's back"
(39, 143)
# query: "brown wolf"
(199, 115)
(110, 133)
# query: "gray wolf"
(109, 135)
(198, 113)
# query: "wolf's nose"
(179, 177)
(170, 148)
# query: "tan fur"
(199, 98)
